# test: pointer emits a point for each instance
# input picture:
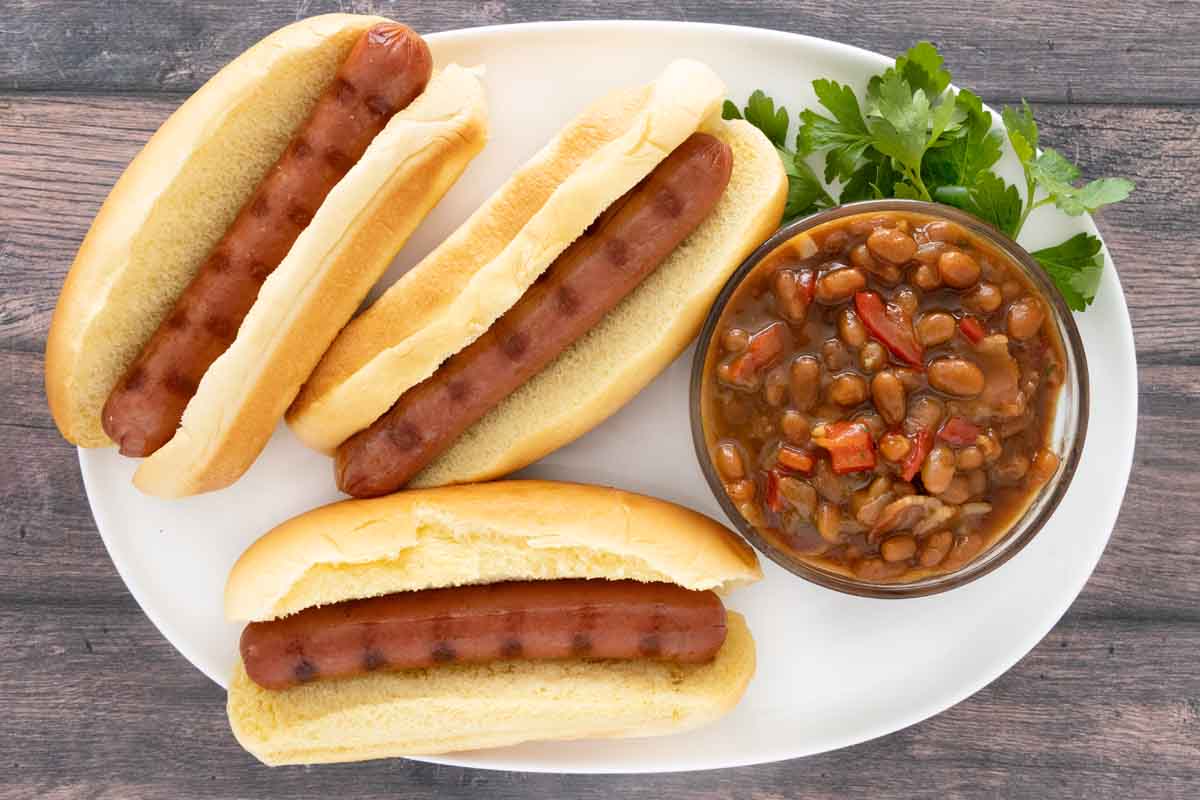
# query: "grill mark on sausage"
(178, 319)
(617, 252)
(568, 300)
(301, 149)
(581, 644)
(258, 270)
(515, 345)
(511, 648)
(260, 207)
(405, 436)
(178, 383)
(458, 390)
(219, 261)
(650, 645)
(305, 670)
(668, 203)
(443, 652)
(373, 659)
(221, 327)
(299, 216)
(378, 105)
(135, 379)
(337, 160)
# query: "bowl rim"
(1040, 508)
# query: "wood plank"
(1081, 52)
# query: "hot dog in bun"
(244, 236)
(557, 301)
(479, 616)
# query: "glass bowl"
(1067, 436)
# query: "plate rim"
(896, 722)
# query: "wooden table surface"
(95, 703)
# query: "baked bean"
(874, 423)
(835, 241)
(860, 256)
(801, 495)
(741, 491)
(795, 426)
(840, 284)
(751, 512)
(977, 482)
(1011, 467)
(1045, 464)
(926, 277)
(790, 299)
(735, 410)
(907, 299)
(1010, 290)
(936, 327)
(835, 355)
(934, 548)
(806, 382)
(929, 253)
(775, 386)
(989, 445)
(938, 469)
(891, 245)
(957, 492)
(729, 461)
(926, 413)
(958, 269)
(851, 329)
(894, 447)
(903, 488)
(983, 299)
(829, 522)
(888, 393)
(911, 379)
(889, 274)
(848, 390)
(872, 357)
(956, 376)
(735, 340)
(969, 457)
(876, 569)
(898, 548)
(1025, 318)
(944, 231)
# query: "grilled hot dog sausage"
(480, 624)
(384, 72)
(583, 284)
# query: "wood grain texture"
(1066, 51)
(97, 704)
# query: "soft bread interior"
(467, 707)
(484, 533)
(636, 340)
(455, 293)
(303, 304)
(173, 203)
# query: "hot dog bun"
(510, 530)
(176, 199)
(454, 294)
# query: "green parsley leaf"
(995, 201)
(762, 114)
(730, 111)
(1052, 172)
(1022, 131)
(898, 119)
(973, 148)
(845, 136)
(921, 68)
(1076, 267)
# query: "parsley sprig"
(912, 136)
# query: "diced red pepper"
(808, 284)
(959, 431)
(773, 500)
(922, 442)
(972, 329)
(891, 326)
(850, 446)
(764, 349)
(795, 460)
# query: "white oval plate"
(833, 670)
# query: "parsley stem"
(1030, 189)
